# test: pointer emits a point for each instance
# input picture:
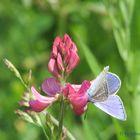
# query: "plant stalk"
(42, 126)
(60, 127)
(55, 121)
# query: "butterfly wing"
(104, 85)
(100, 93)
(113, 83)
(112, 106)
(98, 89)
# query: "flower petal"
(76, 87)
(56, 43)
(67, 57)
(59, 62)
(51, 86)
(37, 106)
(41, 98)
(68, 90)
(74, 59)
(74, 48)
(84, 87)
(67, 41)
(78, 101)
(76, 94)
(54, 51)
(79, 111)
(57, 40)
(52, 67)
(51, 64)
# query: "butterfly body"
(102, 93)
(91, 91)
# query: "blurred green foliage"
(105, 32)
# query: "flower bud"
(64, 57)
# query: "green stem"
(55, 121)
(60, 127)
(47, 138)
(42, 126)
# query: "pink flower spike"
(37, 106)
(51, 86)
(41, 98)
(74, 60)
(64, 57)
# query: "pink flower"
(51, 87)
(77, 96)
(64, 57)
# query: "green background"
(105, 32)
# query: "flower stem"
(42, 126)
(47, 138)
(55, 121)
(60, 127)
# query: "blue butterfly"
(102, 93)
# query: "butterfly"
(102, 93)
